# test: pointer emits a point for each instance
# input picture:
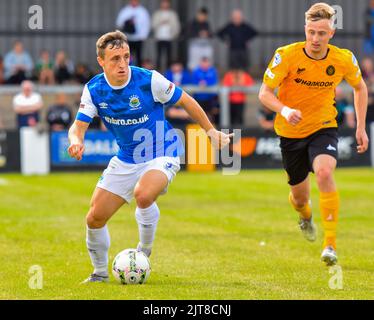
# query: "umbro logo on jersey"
(103, 105)
(300, 70)
(331, 148)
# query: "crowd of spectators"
(18, 67)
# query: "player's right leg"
(299, 198)
(103, 205)
(296, 163)
(155, 179)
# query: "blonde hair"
(116, 39)
(320, 11)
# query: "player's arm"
(361, 101)
(166, 92)
(87, 111)
(270, 100)
(218, 138)
(276, 72)
(76, 138)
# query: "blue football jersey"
(134, 113)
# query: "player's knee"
(324, 174)
(143, 198)
(300, 200)
(93, 220)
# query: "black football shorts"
(298, 154)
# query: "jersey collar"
(119, 87)
(327, 53)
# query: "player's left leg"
(324, 166)
(147, 213)
(154, 181)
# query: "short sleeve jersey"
(134, 113)
(309, 85)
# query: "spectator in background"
(367, 70)
(44, 68)
(82, 73)
(370, 111)
(135, 22)
(177, 116)
(266, 118)
(206, 75)
(346, 112)
(63, 68)
(18, 65)
(59, 115)
(166, 28)
(369, 29)
(237, 34)
(237, 78)
(2, 80)
(180, 76)
(199, 34)
(147, 64)
(27, 105)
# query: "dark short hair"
(114, 39)
(204, 10)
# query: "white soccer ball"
(131, 267)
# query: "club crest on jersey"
(277, 60)
(134, 102)
(330, 70)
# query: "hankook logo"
(321, 84)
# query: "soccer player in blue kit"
(130, 102)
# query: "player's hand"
(362, 140)
(219, 139)
(293, 116)
(76, 151)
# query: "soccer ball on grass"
(131, 267)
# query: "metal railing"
(221, 91)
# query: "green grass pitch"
(219, 237)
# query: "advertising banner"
(100, 147)
(260, 149)
(9, 151)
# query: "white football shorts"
(120, 177)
